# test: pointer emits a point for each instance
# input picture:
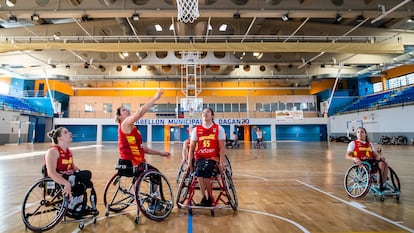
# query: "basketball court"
(287, 187)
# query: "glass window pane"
(235, 107)
(259, 107)
(127, 106)
(243, 107)
(227, 107)
(289, 106)
(266, 107)
(107, 107)
(282, 106)
(377, 87)
(273, 107)
(219, 107)
(89, 108)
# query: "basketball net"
(187, 11)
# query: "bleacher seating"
(14, 104)
(383, 99)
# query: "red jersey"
(130, 146)
(363, 150)
(65, 160)
(207, 146)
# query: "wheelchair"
(259, 144)
(183, 167)
(125, 188)
(44, 206)
(361, 180)
(222, 192)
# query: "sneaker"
(203, 202)
(94, 212)
(206, 202)
(155, 208)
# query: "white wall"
(390, 121)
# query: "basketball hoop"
(187, 11)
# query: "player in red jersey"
(362, 149)
(207, 147)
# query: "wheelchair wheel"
(44, 205)
(119, 193)
(183, 189)
(181, 171)
(393, 182)
(228, 166)
(154, 195)
(230, 190)
(357, 181)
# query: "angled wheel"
(230, 190)
(44, 205)
(357, 181)
(154, 195)
(183, 189)
(181, 171)
(393, 182)
(228, 166)
(119, 193)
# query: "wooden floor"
(287, 187)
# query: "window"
(227, 108)
(235, 108)
(410, 78)
(243, 107)
(127, 106)
(282, 106)
(220, 108)
(377, 87)
(107, 108)
(89, 108)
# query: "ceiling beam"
(288, 47)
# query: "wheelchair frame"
(120, 193)
(183, 166)
(359, 180)
(222, 191)
(51, 209)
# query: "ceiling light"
(158, 28)
(12, 19)
(135, 16)
(171, 28)
(209, 28)
(223, 28)
(35, 17)
(285, 17)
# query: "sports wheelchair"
(150, 192)
(222, 192)
(361, 180)
(44, 206)
(259, 144)
(183, 167)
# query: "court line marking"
(37, 153)
(303, 229)
(357, 206)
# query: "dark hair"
(118, 114)
(55, 133)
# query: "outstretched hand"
(159, 93)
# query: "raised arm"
(129, 122)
